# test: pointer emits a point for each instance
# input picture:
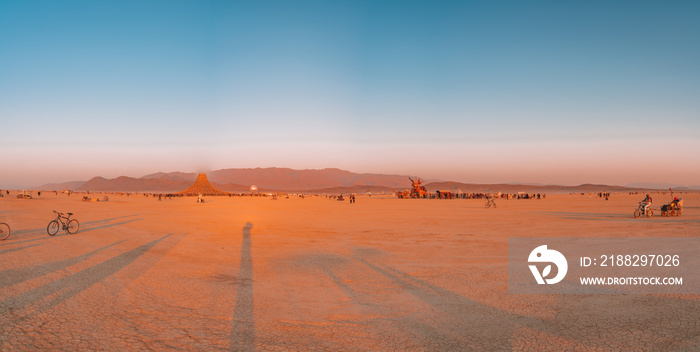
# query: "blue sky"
(497, 91)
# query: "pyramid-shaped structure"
(202, 186)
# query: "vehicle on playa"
(71, 226)
(4, 231)
(675, 208)
(642, 209)
(490, 202)
(25, 195)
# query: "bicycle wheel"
(73, 226)
(487, 204)
(4, 231)
(494, 204)
(52, 229)
(650, 213)
(637, 213)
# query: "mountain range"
(313, 181)
(240, 180)
(653, 185)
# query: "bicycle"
(490, 203)
(4, 231)
(643, 210)
(71, 226)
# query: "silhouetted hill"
(131, 184)
(514, 188)
(303, 180)
(674, 186)
(234, 188)
(175, 176)
(309, 181)
(72, 185)
(360, 189)
(240, 180)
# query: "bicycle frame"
(69, 225)
(63, 224)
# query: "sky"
(475, 91)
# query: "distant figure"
(200, 199)
(676, 203)
(647, 203)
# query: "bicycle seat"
(69, 214)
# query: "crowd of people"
(462, 195)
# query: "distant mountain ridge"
(304, 180)
(514, 188)
(71, 185)
(237, 180)
(175, 176)
(653, 185)
(330, 180)
(131, 184)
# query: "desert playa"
(255, 274)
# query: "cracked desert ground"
(314, 274)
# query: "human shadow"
(9, 241)
(14, 276)
(19, 248)
(110, 219)
(28, 231)
(43, 229)
(345, 288)
(569, 215)
(109, 225)
(471, 325)
(243, 332)
(65, 288)
(326, 263)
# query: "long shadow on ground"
(14, 276)
(243, 333)
(42, 230)
(19, 248)
(588, 320)
(65, 288)
(109, 225)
